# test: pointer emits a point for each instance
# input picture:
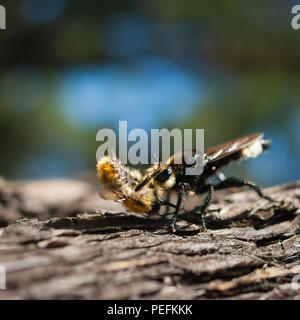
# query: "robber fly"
(146, 193)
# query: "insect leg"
(205, 204)
(236, 182)
(168, 204)
(179, 201)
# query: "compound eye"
(164, 175)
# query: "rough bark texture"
(59, 240)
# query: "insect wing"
(231, 147)
(108, 194)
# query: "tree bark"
(59, 240)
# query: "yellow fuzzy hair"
(121, 180)
(107, 171)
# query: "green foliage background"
(244, 53)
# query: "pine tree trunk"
(58, 239)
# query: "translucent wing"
(236, 149)
(108, 194)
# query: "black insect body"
(214, 158)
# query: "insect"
(146, 193)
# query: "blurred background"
(72, 67)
